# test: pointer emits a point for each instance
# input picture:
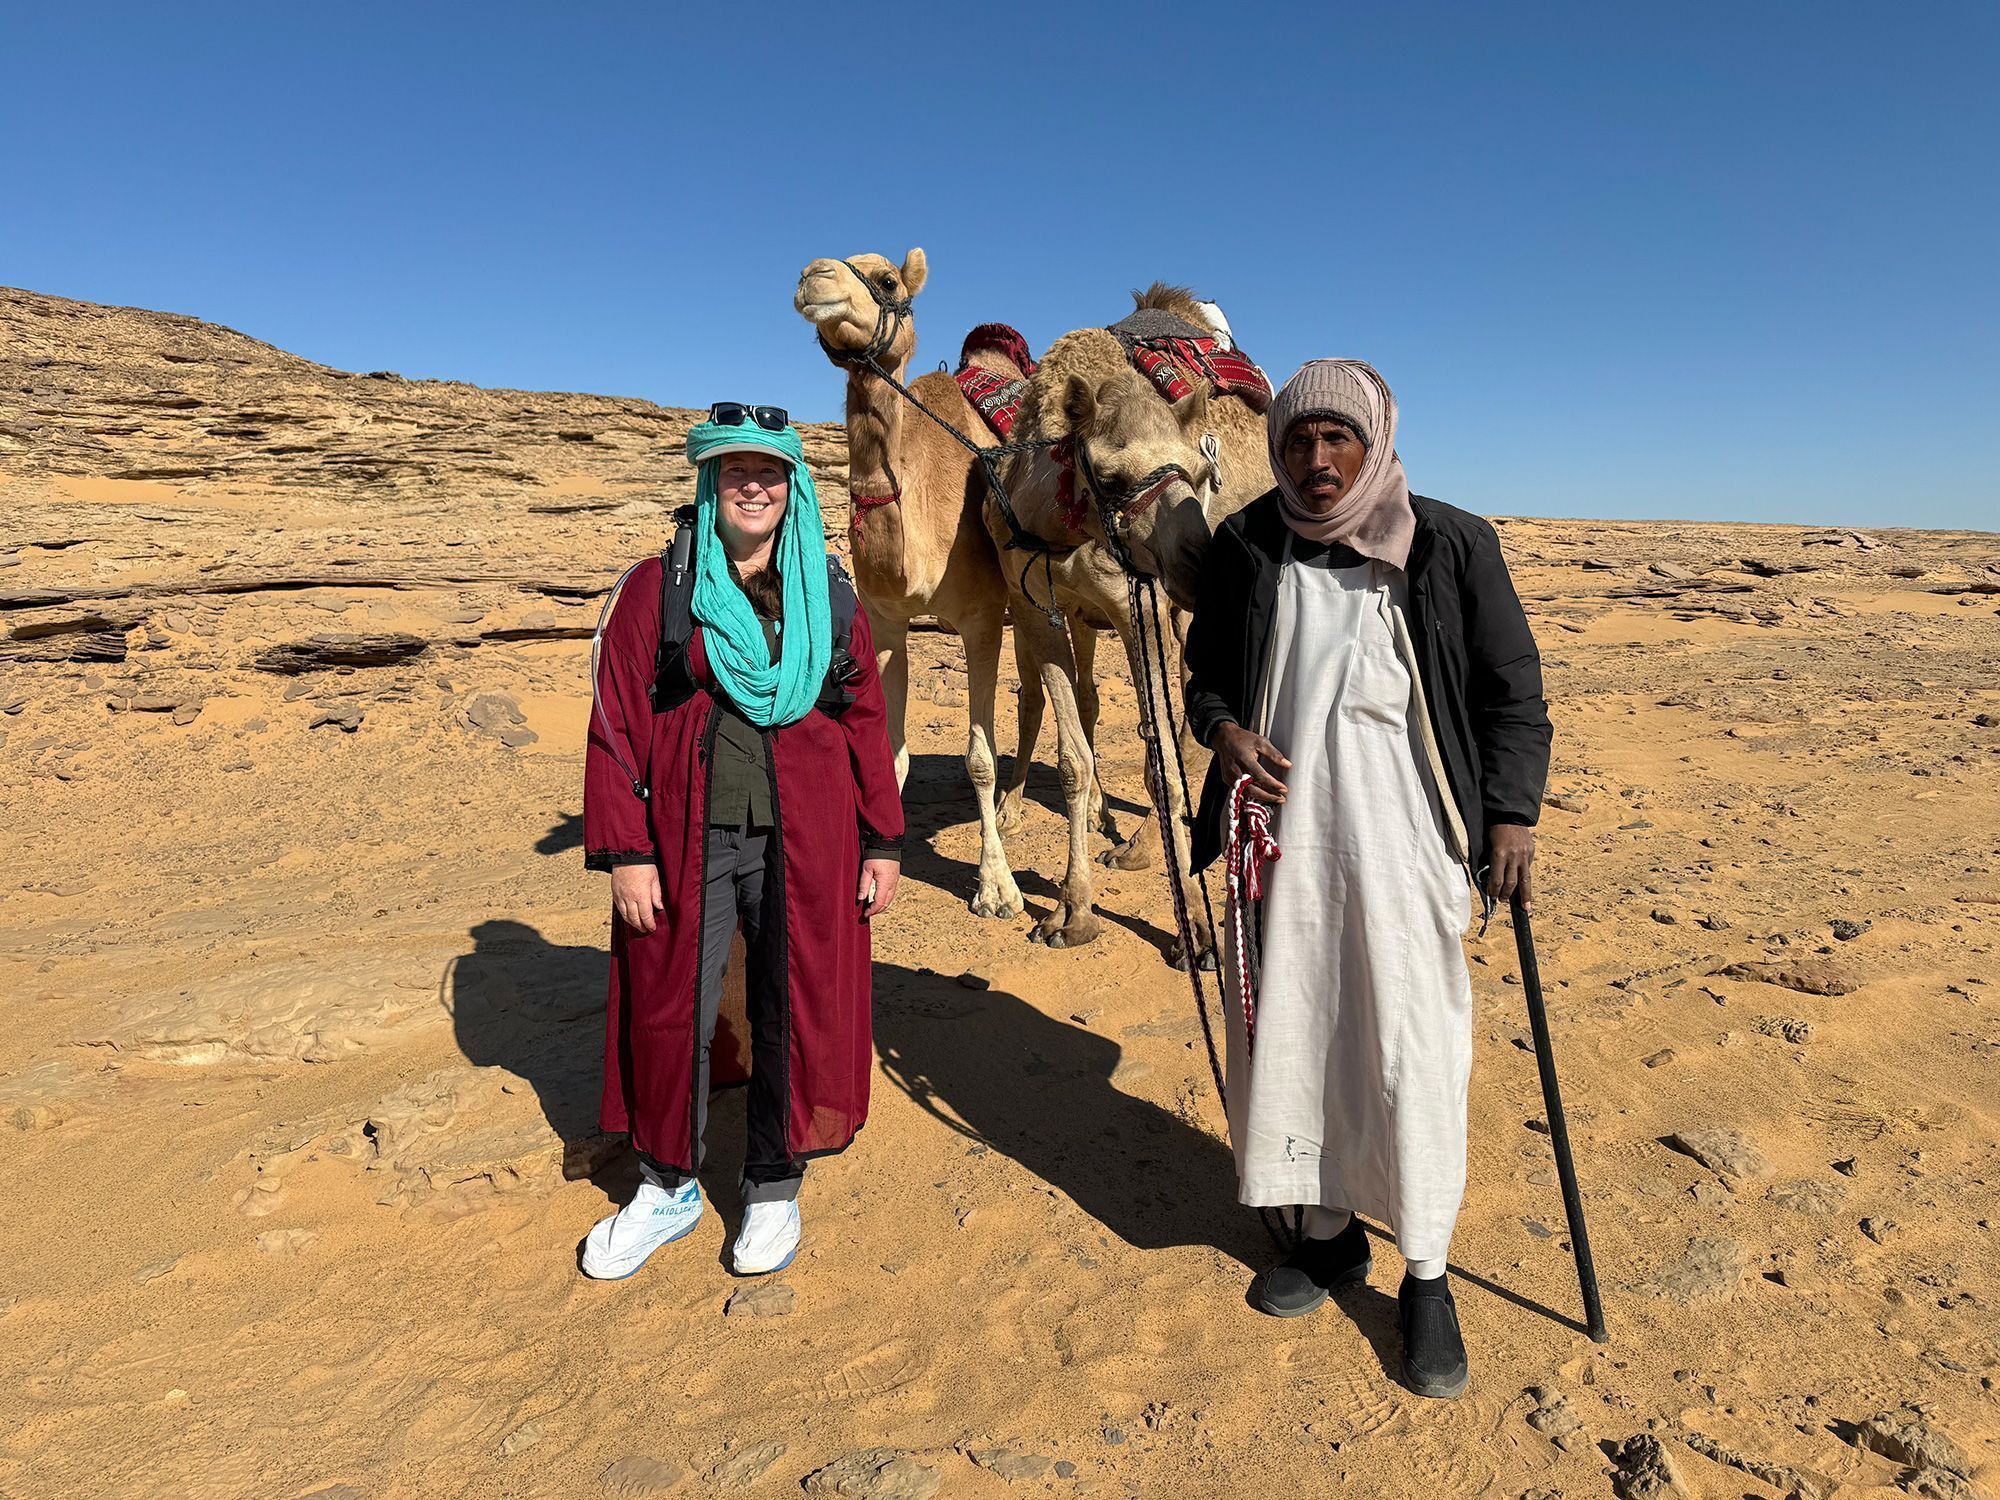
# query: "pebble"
(345, 716)
(1809, 1196)
(1878, 1229)
(1847, 931)
(520, 1440)
(1708, 1269)
(1661, 1058)
(1010, 1462)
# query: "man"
(1359, 664)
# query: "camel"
(919, 544)
(1156, 486)
(1244, 474)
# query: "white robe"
(1356, 1098)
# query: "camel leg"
(892, 661)
(1089, 704)
(997, 895)
(1074, 921)
(1028, 720)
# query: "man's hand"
(1512, 850)
(878, 885)
(1241, 753)
(635, 895)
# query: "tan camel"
(1245, 474)
(1153, 484)
(919, 544)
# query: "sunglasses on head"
(735, 414)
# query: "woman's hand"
(878, 885)
(1512, 859)
(1241, 753)
(635, 895)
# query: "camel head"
(844, 300)
(1141, 462)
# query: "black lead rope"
(1142, 596)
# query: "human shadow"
(536, 1008)
(997, 1070)
(564, 835)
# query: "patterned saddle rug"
(1171, 352)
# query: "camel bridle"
(1118, 508)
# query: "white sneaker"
(657, 1215)
(768, 1240)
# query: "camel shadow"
(995, 1069)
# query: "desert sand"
(303, 980)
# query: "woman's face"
(752, 490)
(1323, 457)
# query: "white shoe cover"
(619, 1244)
(768, 1240)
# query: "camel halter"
(890, 313)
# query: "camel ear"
(915, 269)
(1079, 404)
(1192, 410)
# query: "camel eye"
(887, 281)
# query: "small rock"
(188, 712)
(1729, 1152)
(156, 1270)
(1848, 931)
(1642, 1471)
(972, 980)
(1809, 976)
(1661, 1058)
(1790, 1028)
(1536, 1227)
(1010, 1462)
(14, 703)
(739, 1470)
(1846, 1167)
(1710, 1268)
(761, 1299)
(1664, 917)
(1554, 1418)
(264, 1196)
(1567, 803)
(1808, 1196)
(874, 1474)
(344, 716)
(1714, 923)
(639, 1475)
(520, 1439)
(1907, 1437)
(1878, 1229)
(286, 1241)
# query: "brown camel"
(1237, 425)
(1152, 486)
(919, 544)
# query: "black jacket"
(1481, 673)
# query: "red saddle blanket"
(1172, 363)
(997, 397)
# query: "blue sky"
(1703, 261)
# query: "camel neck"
(874, 425)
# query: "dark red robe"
(835, 784)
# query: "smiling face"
(1323, 457)
(752, 493)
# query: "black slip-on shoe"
(1433, 1349)
(1314, 1269)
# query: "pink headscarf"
(1374, 517)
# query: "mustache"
(1321, 476)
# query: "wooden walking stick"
(1552, 1105)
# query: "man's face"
(1322, 457)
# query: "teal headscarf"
(767, 695)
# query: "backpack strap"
(676, 613)
(838, 692)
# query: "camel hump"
(1000, 339)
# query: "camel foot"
(996, 898)
(1205, 955)
(1058, 931)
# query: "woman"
(1360, 665)
(734, 778)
